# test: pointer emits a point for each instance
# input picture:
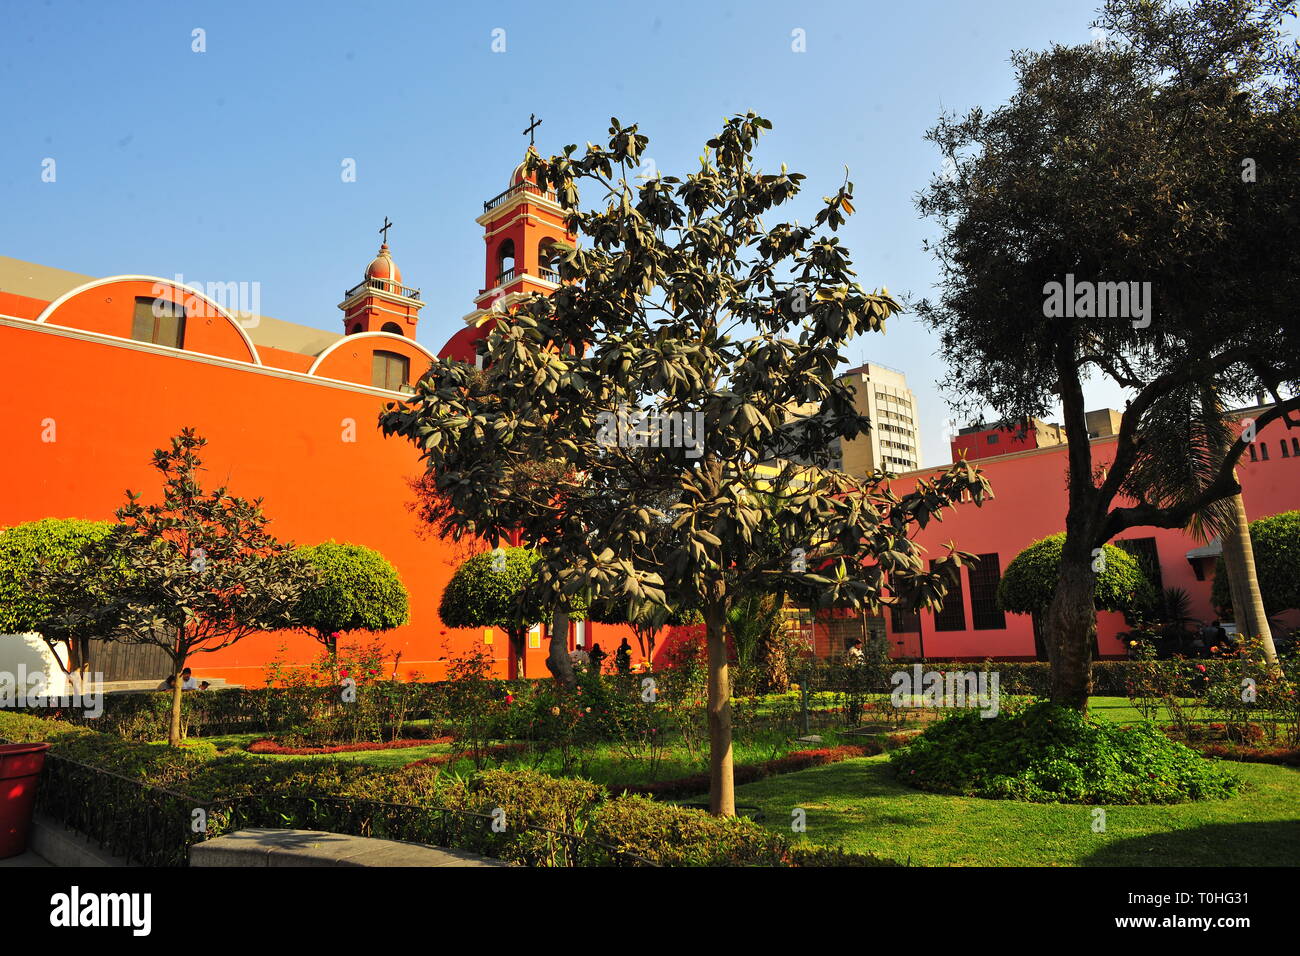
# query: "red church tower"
(379, 302)
(523, 226)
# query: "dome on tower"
(382, 266)
(518, 175)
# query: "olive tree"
(193, 573)
(1128, 213)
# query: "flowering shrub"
(489, 752)
(1256, 701)
(278, 749)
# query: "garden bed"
(792, 762)
(268, 746)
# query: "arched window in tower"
(392, 327)
(356, 328)
(546, 260)
(389, 370)
(505, 261)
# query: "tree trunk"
(174, 733)
(557, 657)
(1239, 559)
(722, 791)
(517, 640)
(1071, 625)
(1247, 602)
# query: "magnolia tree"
(688, 327)
(27, 604)
(193, 573)
(354, 589)
(1129, 214)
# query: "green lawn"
(859, 806)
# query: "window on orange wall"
(952, 616)
(904, 621)
(984, 577)
(389, 370)
(159, 321)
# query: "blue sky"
(225, 165)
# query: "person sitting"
(854, 656)
(578, 657)
(187, 680)
(597, 658)
(169, 682)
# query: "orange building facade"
(97, 373)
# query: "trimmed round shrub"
(1276, 543)
(357, 589)
(1029, 581)
(1045, 753)
(55, 540)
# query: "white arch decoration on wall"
(50, 309)
(383, 336)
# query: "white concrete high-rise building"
(894, 442)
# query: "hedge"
(353, 797)
(144, 716)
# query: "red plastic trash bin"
(20, 772)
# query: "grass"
(603, 763)
(858, 805)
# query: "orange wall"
(270, 434)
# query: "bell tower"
(522, 227)
(379, 302)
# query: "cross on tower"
(533, 122)
(387, 225)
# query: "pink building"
(1030, 503)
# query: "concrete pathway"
(26, 859)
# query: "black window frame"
(952, 616)
(984, 577)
